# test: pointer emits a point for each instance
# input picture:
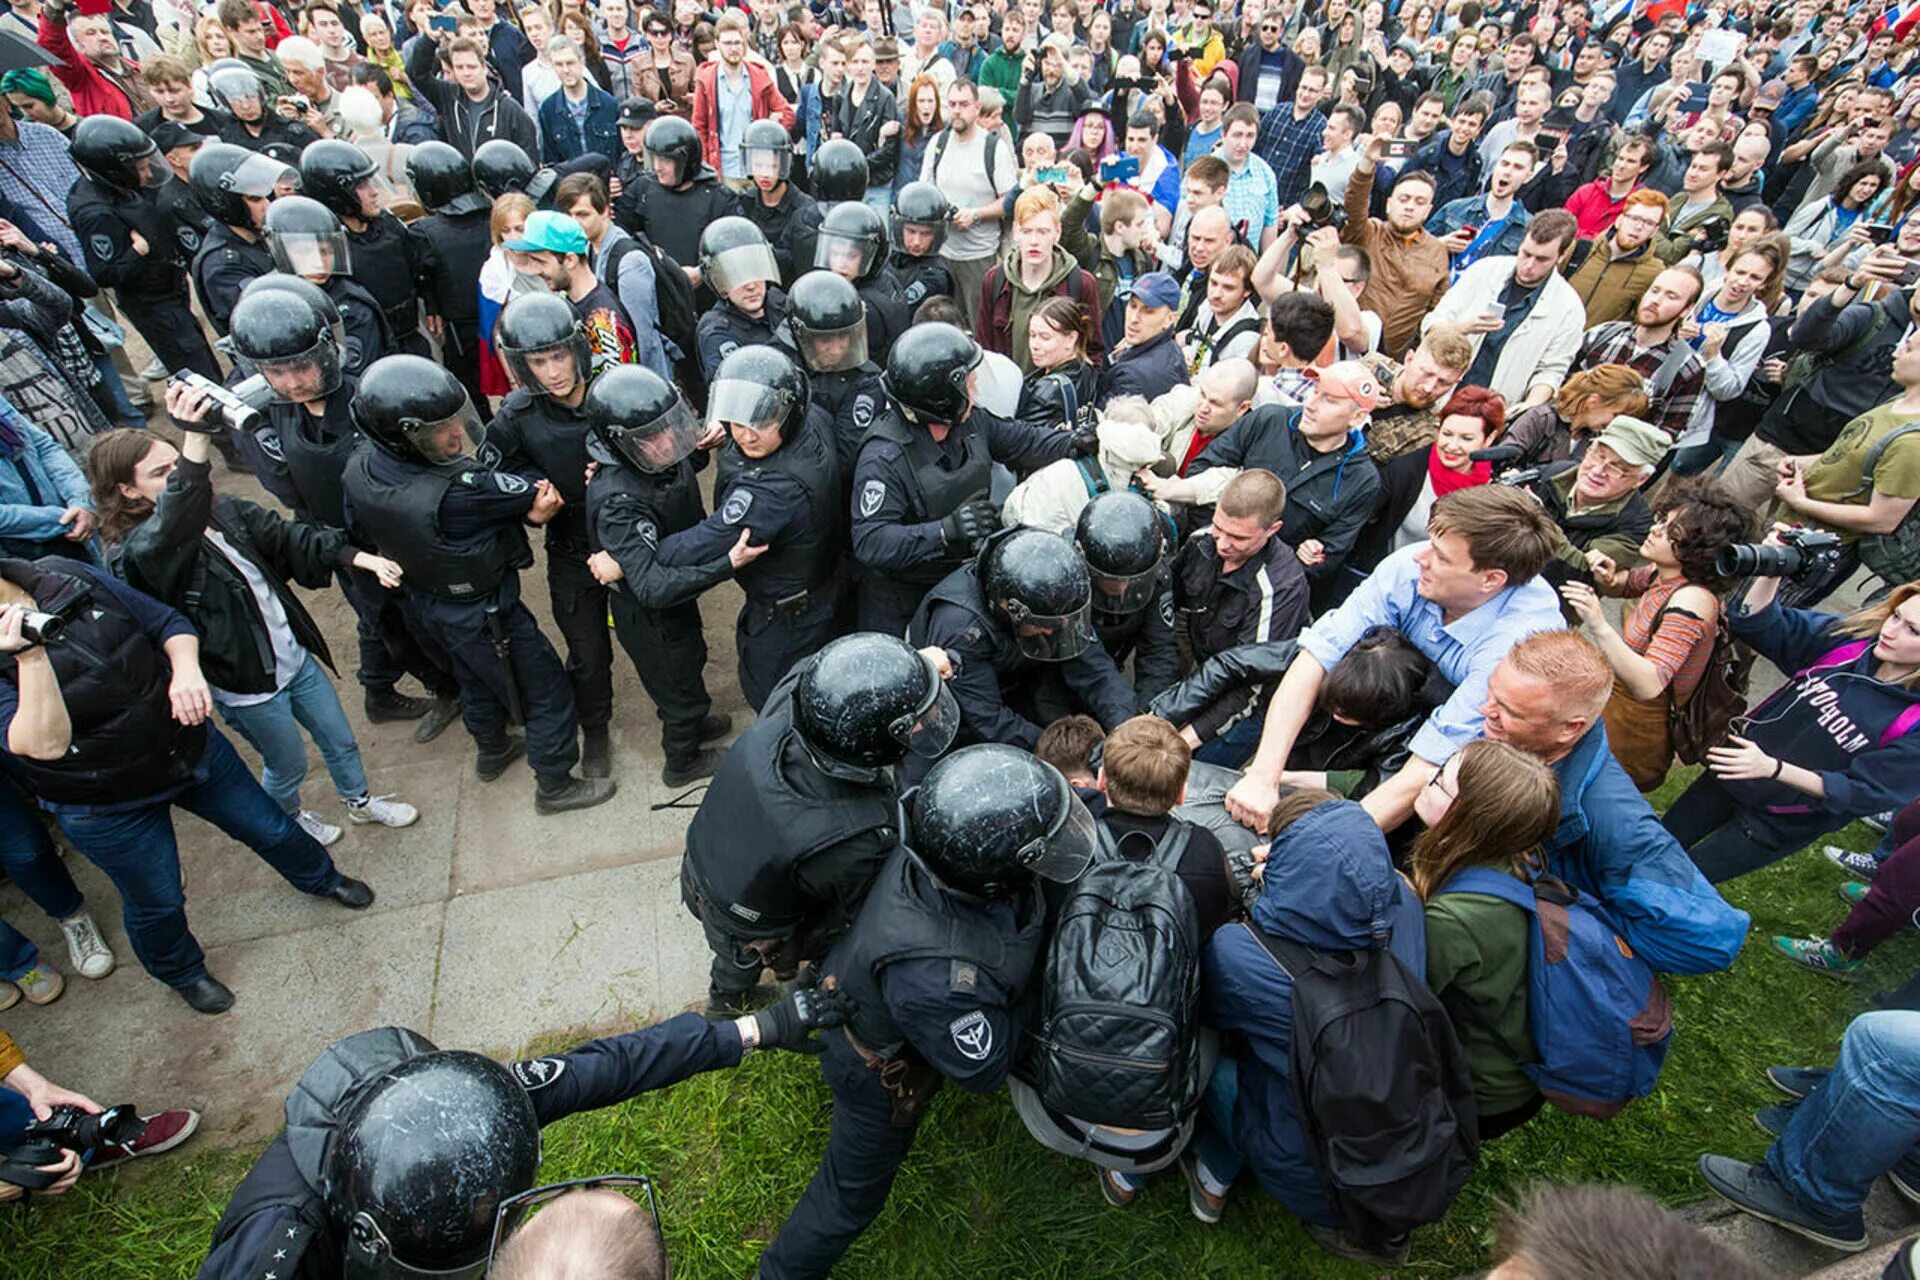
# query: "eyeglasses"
(1439, 783)
(515, 1209)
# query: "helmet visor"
(1063, 853)
(312, 255)
(849, 256)
(235, 84)
(659, 445)
(832, 350)
(1052, 637)
(747, 404)
(448, 440)
(154, 170)
(743, 264)
(258, 175)
(375, 1259)
(769, 162)
(929, 731)
(550, 371)
(1124, 593)
(917, 236)
(313, 374)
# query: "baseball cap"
(1156, 289)
(1348, 380)
(637, 113)
(1770, 96)
(169, 134)
(550, 232)
(1640, 443)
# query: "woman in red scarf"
(1472, 419)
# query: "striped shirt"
(1683, 645)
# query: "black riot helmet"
(1123, 539)
(638, 419)
(988, 817)
(923, 205)
(768, 152)
(422, 1160)
(829, 322)
(537, 322)
(116, 155)
(671, 138)
(443, 178)
(333, 171)
(231, 82)
(927, 373)
(500, 166)
(852, 241)
(1036, 580)
(306, 238)
(285, 335)
(408, 406)
(866, 700)
(734, 252)
(759, 388)
(838, 169)
(223, 178)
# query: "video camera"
(1512, 477)
(1806, 554)
(241, 407)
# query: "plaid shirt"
(1288, 146)
(1612, 343)
(36, 174)
(1253, 198)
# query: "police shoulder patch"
(537, 1073)
(728, 348)
(872, 494)
(488, 454)
(649, 534)
(735, 508)
(508, 482)
(972, 1036)
(102, 247)
(863, 408)
(1166, 607)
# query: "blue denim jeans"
(26, 851)
(18, 955)
(273, 728)
(1232, 749)
(1213, 1138)
(15, 1114)
(1861, 1122)
(138, 851)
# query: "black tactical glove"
(791, 1022)
(972, 523)
(1084, 441)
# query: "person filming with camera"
(1833, 743)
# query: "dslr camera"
(72, 1129)
(1321, 209)
(1806, 554)
(1710, 234)
(241, 407)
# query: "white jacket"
(1541, 349)
(1053, 497)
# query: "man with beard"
(1620, 265)
(1409, 418)
(1650, 345)
(1410, 264)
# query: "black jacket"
(168, 558)
(499, 115)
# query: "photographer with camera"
(1831, 744)
(1698, 217)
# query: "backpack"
(1600, 1019)
(1117, 1041)
(1381, 1087)
(679, 318)
(1702, 721)
(990, 146)
(1895, 556)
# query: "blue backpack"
(1600, 1019)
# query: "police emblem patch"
(648, 534)
(734, 510)
(538, 1073)
(507, 482)
(487, 455)
(872, 494)
(863, 412)
(1166, 608)
(102, 247)
(972, 1035)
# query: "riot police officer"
(774, 203)
(738, 265)
(234, 186)
(852, 243)
(940, 953)
(1020, 611)
(779, 480)
(631, 164)
(457, 237)
(191, 221)
(500, 166)
(920, 486)
(252, 123)
(647, 447)
(388, 259)
(837, 171)
(417, 494)
(802, 812)
(1124, 539)
(306, 239)
(921, 212)
(287, 330)
(680, 197)
(129, 242)
(540, 432)
(827, 328)
(401, 1160)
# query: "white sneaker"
(86, 949)
(1852, 861)
(384, 810)
(325, 832)
(156, 371)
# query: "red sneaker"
(165, 1131)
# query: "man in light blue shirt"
(1253, 195)
(1463, 598)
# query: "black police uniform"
(538, 437)
(391, 262)
(776, 222)
(277, 1221)
(191, 221)
(151, 288)
(933, 975)
(674, 220)
(920, 278)
(905, 484)
(725, 328)
(851, 399)
(788, 500)
(312, 454)
(993, 681)
(224, 266)
(781, 852)
(457, 532)
(456, 243)
(1148, 637)
(369, 336)
(656, 609)
(887, 315)
(287, 138)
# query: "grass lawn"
(731, 1152)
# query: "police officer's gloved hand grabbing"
(790, 1023)
(1084, 442)
(972, 522)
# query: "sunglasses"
(515, 1209)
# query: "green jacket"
(1477, 966)
(1002, 71)
(1091, 251)
(1674, 240)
